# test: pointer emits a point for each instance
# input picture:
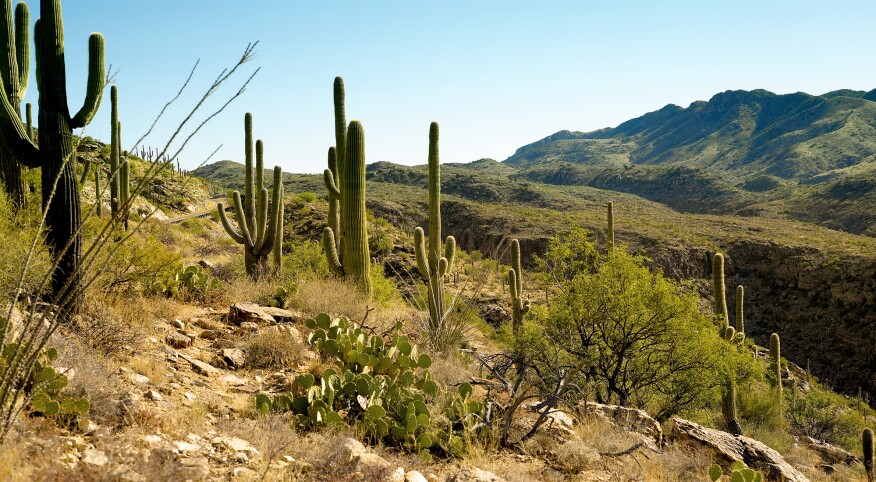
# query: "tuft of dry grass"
(331, 296)
(154, 369)
(272, 350)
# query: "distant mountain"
(743, 134)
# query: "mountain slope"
(741, 133)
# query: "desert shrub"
(383, 290)
(185, 283)
(380, 238)
(304, 260)
(17, 233)
(306, 197)
(825, 416)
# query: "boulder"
(234, 358)
(494, 315)
(178, 340)
(729, 448)
(829, 453)
(474, 475)
(283, 316)
(200, 367)
(630, 419)
(352, 457)
(245, 312)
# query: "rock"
(475, 475)
(234, 380)
(494, 315)
(234, 357)
(126, 474)
(630, 419)
(396, 476)
(352, 456)
(288, 329)
(241, 448)
(153, 395)
(195, 468)
(244, 312)
(201, 367)
(414, 476)
(178, 324)
(138, 379)
(185, 447)
(728, 448)
(178, 340)
(211, 334)
(250, 326)
(829, 453)
(95, 457)
(283, 316)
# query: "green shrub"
(304, 260)
(383, 290)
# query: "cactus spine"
(434, 261)
(720, 296)
(14, 69)
(728, 408)
(740, 315)
(867, 445)
(356, 262)
(54, 155)
(775, 363)
(257, 220)
(610, 233)
(515, 285)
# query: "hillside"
(744, 152)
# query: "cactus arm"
(96, 81)
(442, 267)
(259, 166)
(512, 286)
(14, 134)
(434, 197)
(340, 128)
(22, 48)
(237, 237)
(420, 250)
(515, 263)
(330, 186)
(261, 221)
(8, 66)
(277, 250)
(331, 252)
(450, 252)
(719, 290)
(249, 188)
(273, 224)
(86, 170)
(241, 221)
(354, 225)
(29, 118)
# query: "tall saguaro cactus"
(719, 291)
(740, 314)
(434, 261)
(119, 167)
(515, 287)
(728, 408)
(776, 363)
(609, 236)
(15, 71)
(867, 445)
(356, 262)
(332, 175)
(257, 220)
(59, 183)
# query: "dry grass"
(331, 296)
(272, 350)
(152, 368)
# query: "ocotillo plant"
(335, 163)
(718, 286)
(257, 221)
(728, 408)
(609, 235)
(867, 445)
(59, 183)
(515, 286)
(14, 71)
(776, 363)
(740, 315)
(356, 264)
(434, 261)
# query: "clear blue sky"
(495, 74)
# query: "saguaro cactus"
(119, 168)
(356, 263)
(728, 408)
(434, 261)
(719, 290)
(515, 287)
(776, 363)
(14, 70)
(257, 220)
(332, 175)
(609, 236)
(867, 445)
(59, 183)
(740, 315)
